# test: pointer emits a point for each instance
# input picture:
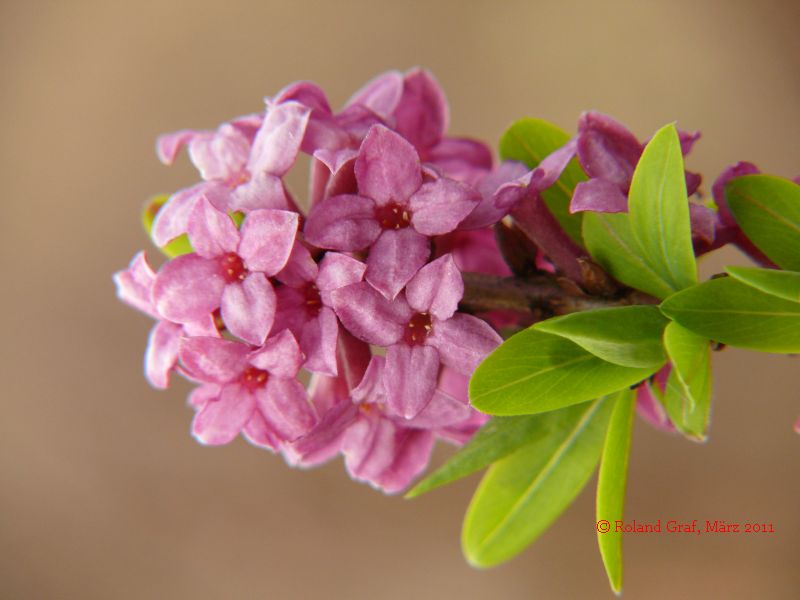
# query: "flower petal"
(487, 212)
(284, 404)
(188, 288)
(380, 95)
(369, 316)
(213, 360)
(169, 144)
(438, 207)
(300, 269)
(395, 258)
(219, 155)
(211, 232)
(172, 219)
(387, 168)
(422, 114)
(306, 93)
(263, 190)
(248, 308)
(278, 141)
(337, 271)
(442, 411)
(371, 389)
(324, 441)
(463, 342)
(607, 149)
(345, 223)
(135, 284)
(162, 353)
(463, 159)
(267, 239)
(318, 340)
(410, 378)
(598, 195)
(220, 421)
(280, 355)
(437, 288)
(259, 433)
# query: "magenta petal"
(704, 221)
(463, 159)
(369, 316)
(345, 223)
(688, 140)
(135, 284)
(285, 406)
(318, 340)
(380, 95)
(718, 188)
(169, 144)
(259, 433)
(337, 271)
(267, 239)
(651, 410)
(395, 258)
(598, 195)
(438, 207)
(488, 212)
(280, 355)
(551, 167)
(203, 394)
(387, 168)
(211, 232)
(607, 149)
(324, 441)
(213, 360)
(410, 378)
(422, 114)
(371, 388)
(306, 93)
(220, 421)
(162, 353)
(299, 269)
(278, 141)
(437, 288)
(463, 342)
(263, 190)
(188, 288)
(220, 155)
(442, 411)
(248, 308)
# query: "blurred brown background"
(103, 493)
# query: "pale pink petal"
(442, 411)
(300, 269)
(395, 258)
(380, 95)
(345, 223)
(369, 316)
(248, 308)
(285, 406)
(437, 288)
(169, 144)
(439, 207)
(598, 195)
(387, 168)
(324, 441)
(211, 232)
(162, 353)
(263, 190)
(188, 288)
(248, 125)
(267, 239)
(371, 389)
(278, 141)
(318, 340)
(422, 114)
(337, 271)
(203, 394)
(280, 355)
(172, 219)
(291, 312)
(259, 433)
(135, 284)
(463, 342)
(220, 421)
(213, 360)
(410, 378)
(220, 155)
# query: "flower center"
(240, 179)
(254, 378)
(418, 329)
(392, 216)
(233, 268)
(313, 300)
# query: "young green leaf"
(688, 394)
(529, 141)
(767, 209)
(659, 210)
(534, 372)
(728, 311)
(176, 247)
(520, 496)
(629, 335)
(611, 243)
(784, 284)
(611, 484)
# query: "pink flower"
(229, 271)
(252, 391)
(394, 213)
(420, 329)
(304, 303)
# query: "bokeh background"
(103, 493)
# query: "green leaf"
(611, 484)
(733, 313)
(659, 210)
(176, 247)
(520, 496)
(629, 336)
(767, 209)
(531, 140)
(688, 394)
(610, 241)
(534, 372)
(784, 284)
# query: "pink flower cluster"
(361, 291)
